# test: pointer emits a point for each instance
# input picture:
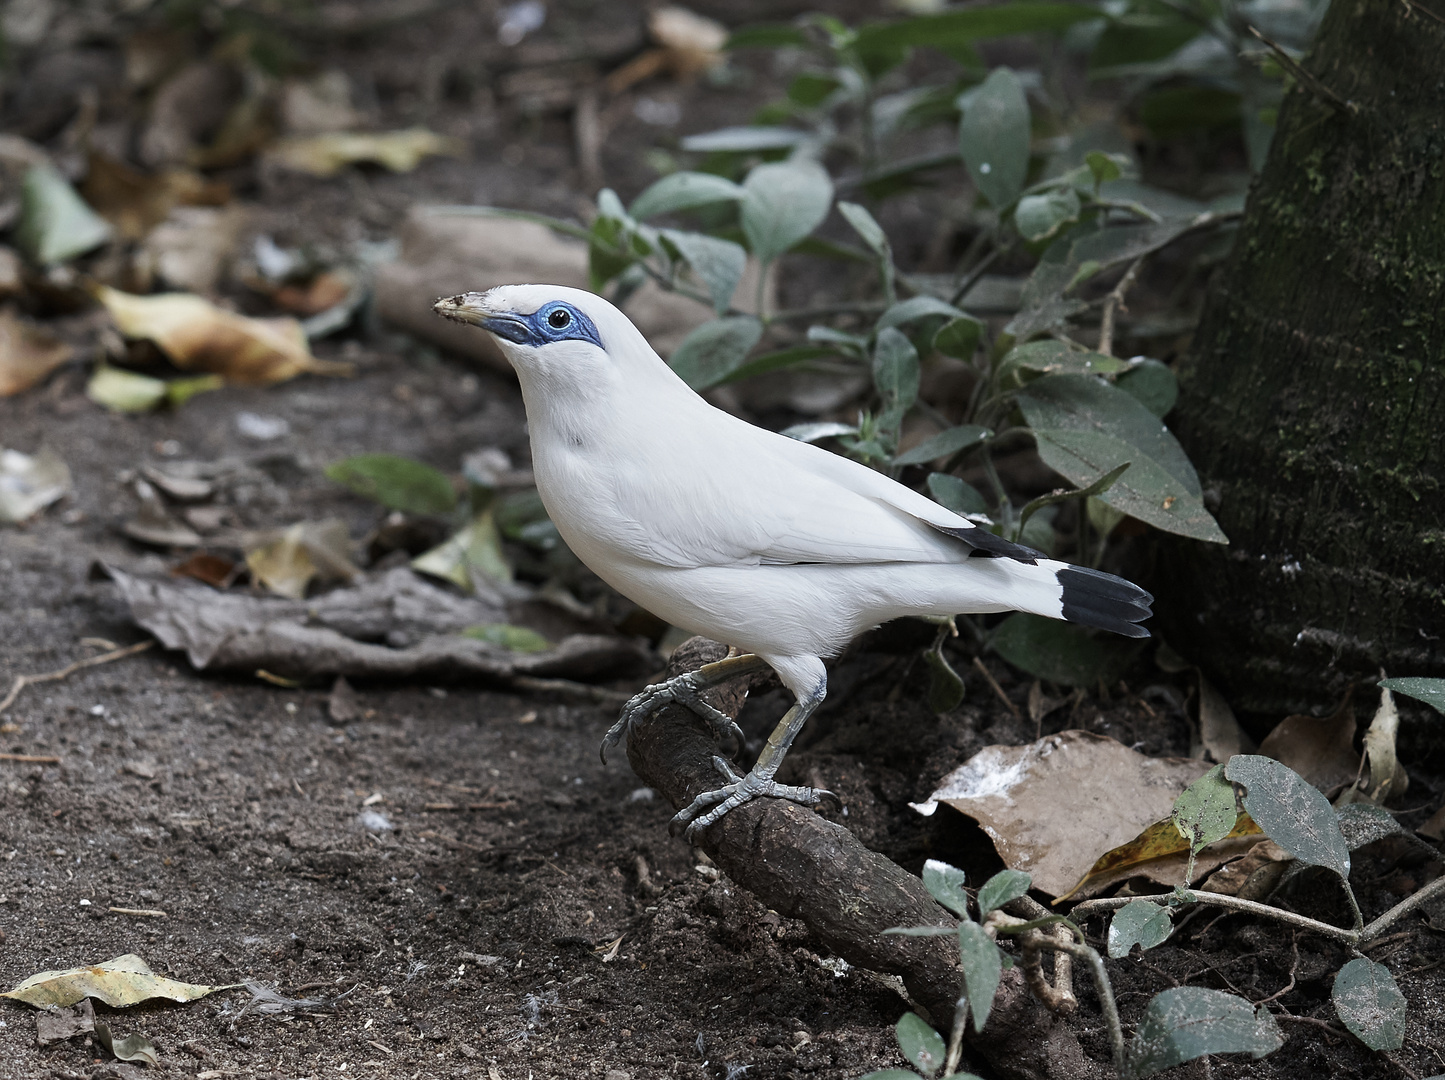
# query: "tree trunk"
(1314, 399)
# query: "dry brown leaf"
(125, 980)
(321, 293)
(317, 105)
(1219, 731)
(1254, 876)
(688, 44)
(136, 203)
(1051, 807)
(1320, 750)
(27, 354)
(327, 155)
(1388, 779)
(197, 335)
(1161, 854)
(287, 563)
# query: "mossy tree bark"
(1314, 398)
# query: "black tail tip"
(1093, 598)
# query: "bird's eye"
(559, 319)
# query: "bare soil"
(556, 929)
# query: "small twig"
(1293, 968)
(598, 695)
(1114, 304)
(34, 759)
(150, 913)
(22, 681)
(997, 689)
(1292, 66)
(974, 275)
(1412, 6)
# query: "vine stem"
(1357, 936)
(1114, 304)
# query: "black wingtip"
(1093, 598)
(992, 546)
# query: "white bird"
(776, 547)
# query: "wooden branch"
(805, 867)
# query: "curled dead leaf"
(27, 354)
(196, 334)
(287, 563)
(327, 155)
(1160, 854)
(135, 202)
(124, 980)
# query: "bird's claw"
(710, 806)
(684, 690)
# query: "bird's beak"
(472, 308)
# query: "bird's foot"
(685, 690)
(712, 805)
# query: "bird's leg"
(711, 805)
(686, 689)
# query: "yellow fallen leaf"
(196, 334)
(125, 980)
(27, 354)
(286, 563)
(326, 155)
(1159, 841)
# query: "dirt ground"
(556, 929)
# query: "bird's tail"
(1093, 598)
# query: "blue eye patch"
(555, 321)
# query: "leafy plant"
(1185, 1022)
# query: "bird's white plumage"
(754, 539)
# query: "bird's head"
(550, 329)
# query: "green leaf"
(1290, 811)
(766, 36)
(56, 224)
(993, 136)
(1189, 1021)
(124, 391)
(717, 263)
(1038, 217)
(1052, 358)
(957, 494)
(921, 1045)
(918, 307)
(683, 191)
(1364, 823)
(1139, 922)
(895, 374)
(945, 687)
(951, 29)
(1430, 691)
(1060, 652)
(397, 483)
(959, 338)
(180, 391)
(944, 444)
(1369, 1002)
(744, 139)
(945, 884)
(981, 969)
(782, 203)
(1104, 167)
(1086, 428)
(890, 1074)
(867, 228)
(998, 890)
(475, 551)
(1204, 811)
(775, 361)
(516, 638)
(715, 350)
(1153, 384)
(811, 88)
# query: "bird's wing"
(773, 500)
